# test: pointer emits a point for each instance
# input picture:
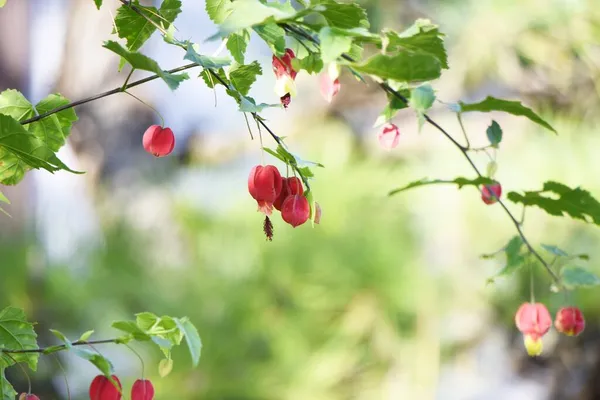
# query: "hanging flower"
(295, 210)
(285, 85)
(158, 141)
(265, 185)
(103, 389)
(491, 193)
(142, 389)
(569, 320)
(25, 396)
(389, 136)
(291, 186)
(330, 82)
(534, 321)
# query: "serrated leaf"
(18, 147)
(514, 258)
(205, 61)
(312, 63)
(494, 133)
(422, 97)
(461, 182)
(132, 328)
(140, 61)
(137, 29)
(574, 277)
(333, 44)
(243, 76)
(192, 339)
(85, 336)
(237, 44)
(558, 199)
(342, 15)
(218, 10)
(402, 67)
(6, 389)
(249, 13)
(55, 129)
(14, 104)
(512, 107)
(165, 366)
(16, 333)
(102, 363)
(210, 80)
(422, 37)
(274, 37)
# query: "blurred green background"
(387, 297)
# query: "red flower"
(265, 185)
(491, 193)
(291, 186)
(103, 389)
(389, 137)
(533, 320)
(295, 210)
(158, 141)
(285, 75)
(142, 390)
(25, 396)
(569, 320)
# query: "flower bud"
(25, 396)
(265, 185)
(290, 186)
(389, 137)
(491, 193)
(569, 320)
(295, 210)
(103, 389)
(158, 141)
(142, 389)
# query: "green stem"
(138, 356)
(24, 372)
(148, 105)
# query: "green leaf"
(243, 76)
(55, 129)
(403, 67)
(422, 97)
(218, 10)
(554, 250)
(422, 37)
(136, 29)
(97, 2)
(132, 328)
(205, 61)
(511, 107)
(14, 104)
(333, 44)
(494, 133)
(342, 15)
(458, 181)
(17, 334)
(514, 258)
(101, 362)
(192, 338)
(274, 37)
(6, 389)
(18, 146)
(85, 336)
(140, 61)
(312, 63)
(4, 199)
(61, 336)
(3, 3)
(248, 104)
(211, 81)
(165, 366)
(248, 13)
(574, 277)
(558, 199)
(237, 44)
(392, 108)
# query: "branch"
(464, 150)
(59, 347)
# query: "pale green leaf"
(165, 366)
(237, 44)
(514, 258)
(102, 363)
(422, 97)
(192, 338)
(17, 334)
(61, 336)
(205, 61)
(312, 63)
(248, 13)
(574, 277)
(461, 182)
(3, 3)
(403, 67)
(342, 15)
(218, 10)
(6, 389)
(333, 44)
(85, 336)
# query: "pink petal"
(329, 87)
(389, 137)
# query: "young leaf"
(101, 362)
(574, 277)
(422, 97)
(97, 2)
(237, 44)
(132, 328)
(554, 250)
(333, 44)
(85, 336)
(16, 333)
(511, 107)
(274, 37)
(494, 133)
(248, 104)
(140, 61)
(342, 15)
(205, 61)
(218, 10)
(458, 181)
(514, 258)
(558, 199)
(403, 67)
(165, 366)
(137, 29)
(421, 37)
(191, 337)
(6, 389)
(243, 76)
(61, 336)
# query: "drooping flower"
(295, 210)
(330, 82)
(158, 141)
(25, 396)
(142, 389)
(265, 185)
(389, 136)
(491, 193)
(290, 186)
(534, 321)
(570, 321)
(103, 389)
(285, 75)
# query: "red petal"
(142, 389)
(102, 388)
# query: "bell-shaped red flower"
(142, 389)
(491, 193)
(569, 320)
(290, 186)
(389, 136)
(295, 210)
(533, 320)
(265, 185)
(25, 396)
(158, 141)
(103, 389)
(285, 86)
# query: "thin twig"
(59, 347)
